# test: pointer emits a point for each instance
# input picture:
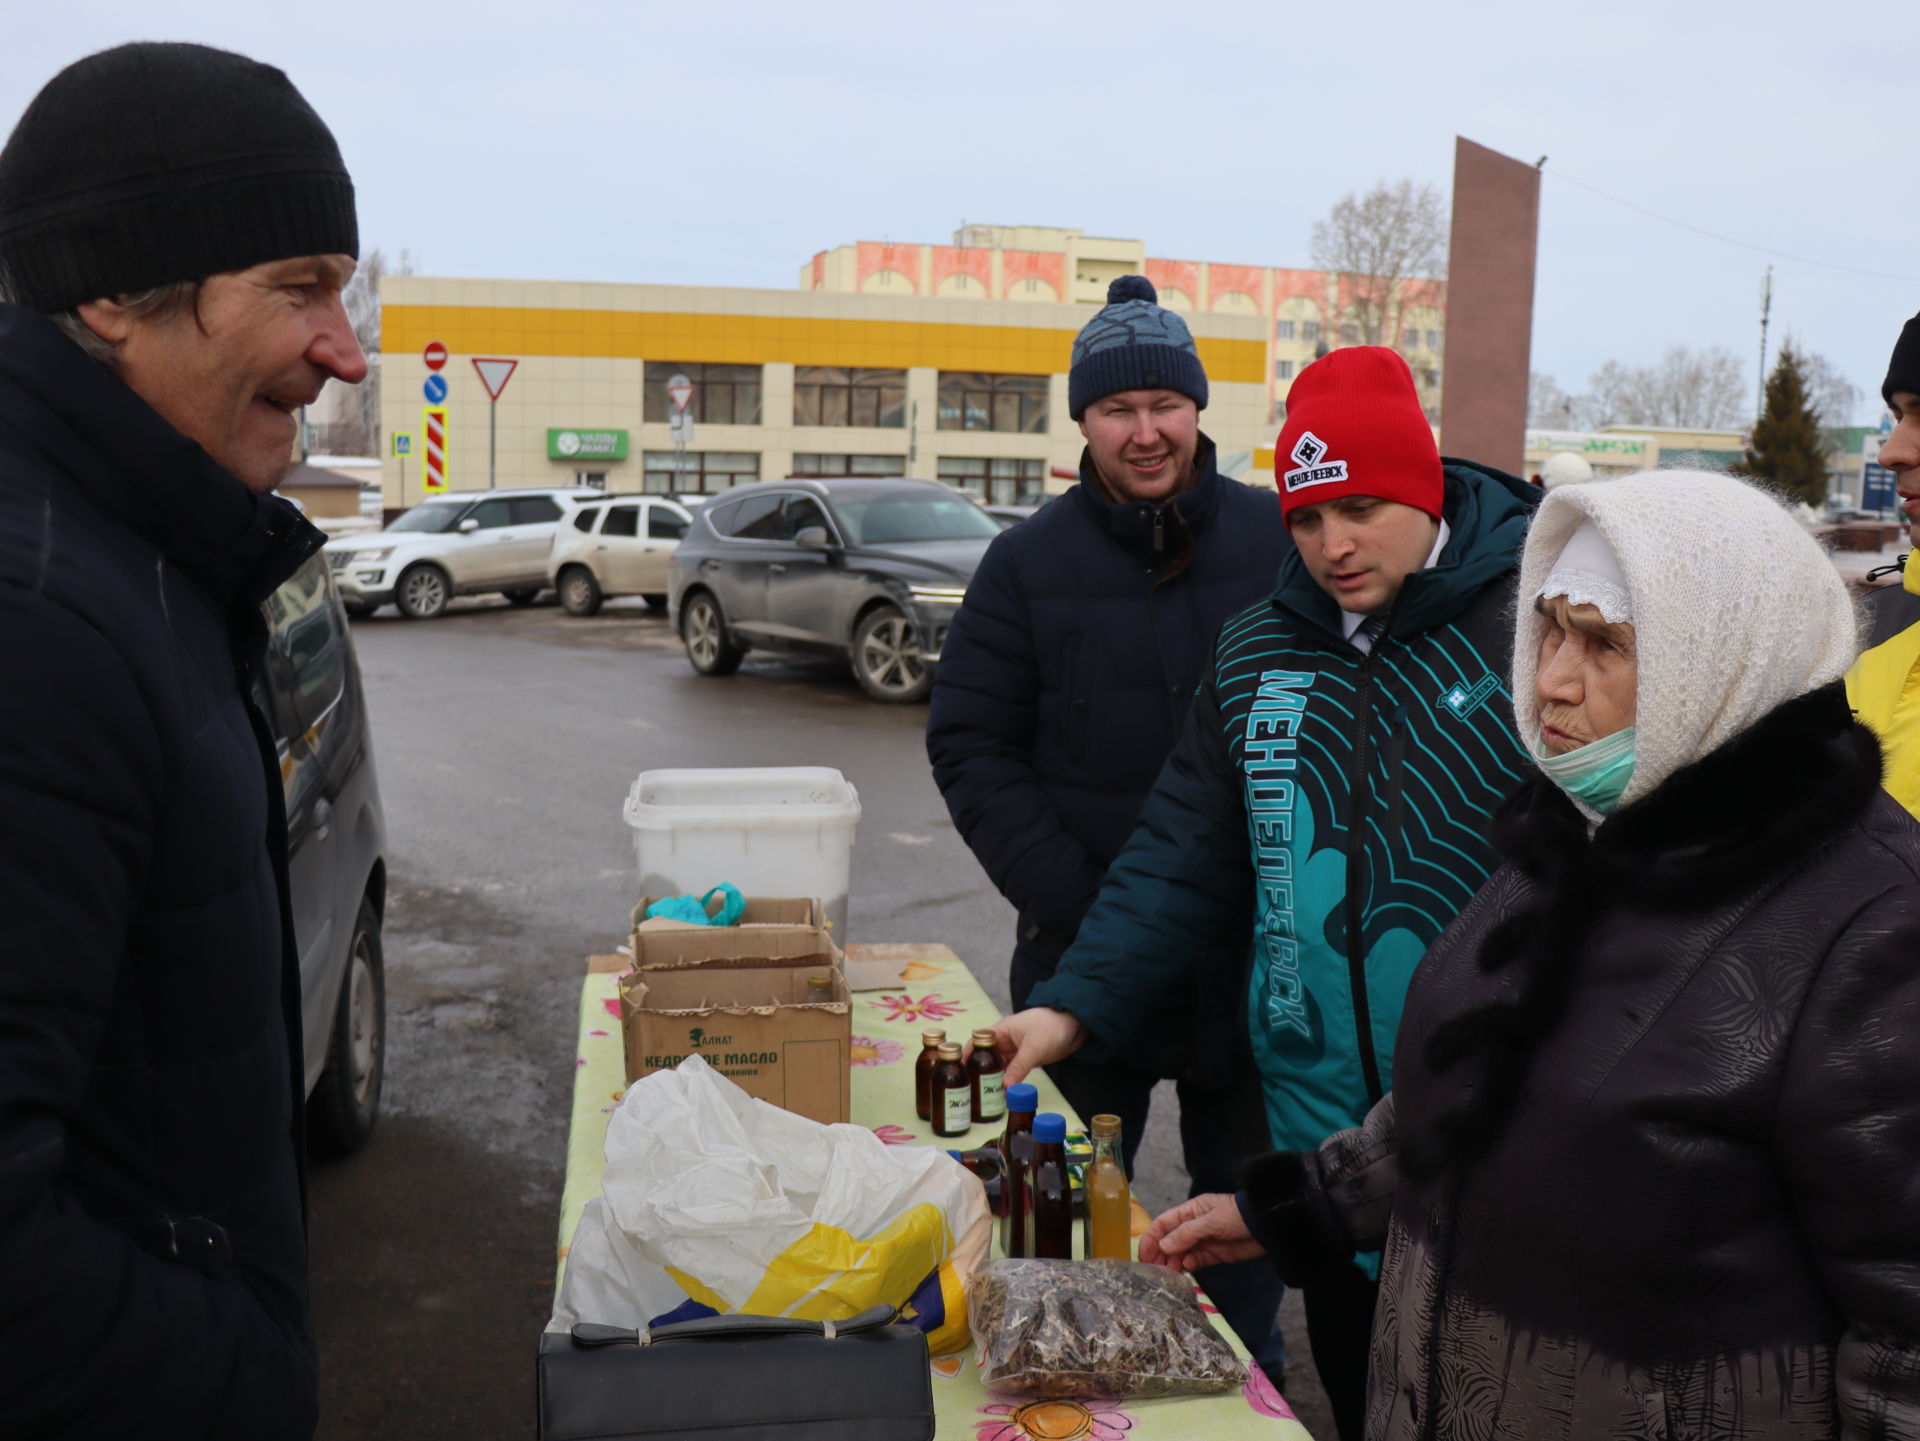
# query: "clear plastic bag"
(1096, 1328)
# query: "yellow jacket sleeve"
(1884, 689)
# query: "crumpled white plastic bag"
(755, 1208)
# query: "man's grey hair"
(158, 301)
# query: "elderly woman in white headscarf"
(1651, 1162)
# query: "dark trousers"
(1340, 1331)
(1221, 1128)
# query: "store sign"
(586, 445)
(1622, 447)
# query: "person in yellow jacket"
(1884, 685)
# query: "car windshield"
(433, 517)
(891, 518)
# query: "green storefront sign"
(586, 445)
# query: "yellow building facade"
(804, 382)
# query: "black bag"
(738, 1378)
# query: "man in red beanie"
(1347, 745)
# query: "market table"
(935, 988)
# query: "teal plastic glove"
(694, 909)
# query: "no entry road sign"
(435, 355)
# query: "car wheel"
(579, 591)
(346, 1102)
(886, 658)
(704, 630)
(655, 603)
(523, 596)
(423, 592)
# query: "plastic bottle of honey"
(1052, 1189)
(1109, 1229)
(988, 1075)
(1016, 1154)
(950, 1096)
(930, 1044)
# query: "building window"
(814, 466)
(722, 394)
(706, 471)
(996, 481)
(1283, 370)
(1279, 412)
(595, 478)
(1349, 335)
(1410, 339)
(1283, 330)
(973, 400)
(840, 395)
(1433, 340)
(1309, 330)
(1429, 378)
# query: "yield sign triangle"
(494, 374)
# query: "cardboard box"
(760, 911)
(738, 996)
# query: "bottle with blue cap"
(1052, 1189)
(1016, 1182)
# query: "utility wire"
(1728, 239)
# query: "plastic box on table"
(779, 831)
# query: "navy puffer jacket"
(1062, 684)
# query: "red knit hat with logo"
(1355, 427)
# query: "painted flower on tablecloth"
(1053, 1421)
(906, 1008)
(895, 1136)
(613, 1007)
(1264, 1397)
(867, 1051)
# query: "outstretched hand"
(1206, 1231)
(1036, 1037)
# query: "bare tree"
(1548, 406)
(1685, 388)
(357, 429)
(1835, 399)
(1376, 243)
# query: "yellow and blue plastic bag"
(717, 1202)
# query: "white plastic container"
(779, 831)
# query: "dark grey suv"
(871, 570)
(336, 846)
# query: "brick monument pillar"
(1490, 262)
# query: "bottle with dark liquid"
(930, 1044)
(1016, 1156)
(1052, 1190)
(989, 1079)
(950, 1097)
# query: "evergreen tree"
(1787, 453)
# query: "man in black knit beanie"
(176, 228)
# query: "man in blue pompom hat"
(1062, 684)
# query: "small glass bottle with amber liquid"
(1109, 1217)
(950, 1097)
(930, 1044)
(989, 1079)
(1052, 1189)
(1016, 1182)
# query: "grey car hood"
(956, 558)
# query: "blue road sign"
(1877, 488)
(435, 389)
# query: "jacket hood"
(238, 546)
(1487, 513)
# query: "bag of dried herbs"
(1095, 1328)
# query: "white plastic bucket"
(774, 831)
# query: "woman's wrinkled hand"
(1035, 1038)
(1206, 1231)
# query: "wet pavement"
(506, 739)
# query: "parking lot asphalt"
(506, 739)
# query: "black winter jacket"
(152, 1243)
(1651, 1165)
(1062, 684)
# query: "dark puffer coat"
(1663, 1179)
(152, 1250)
(1062, 685)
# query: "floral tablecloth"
(936, 989)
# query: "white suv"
(476, 543)
(616, 545)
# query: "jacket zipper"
(1356, 874)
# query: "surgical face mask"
(1596, 773)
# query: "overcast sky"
(718, 142)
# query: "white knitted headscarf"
(1736, 609)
